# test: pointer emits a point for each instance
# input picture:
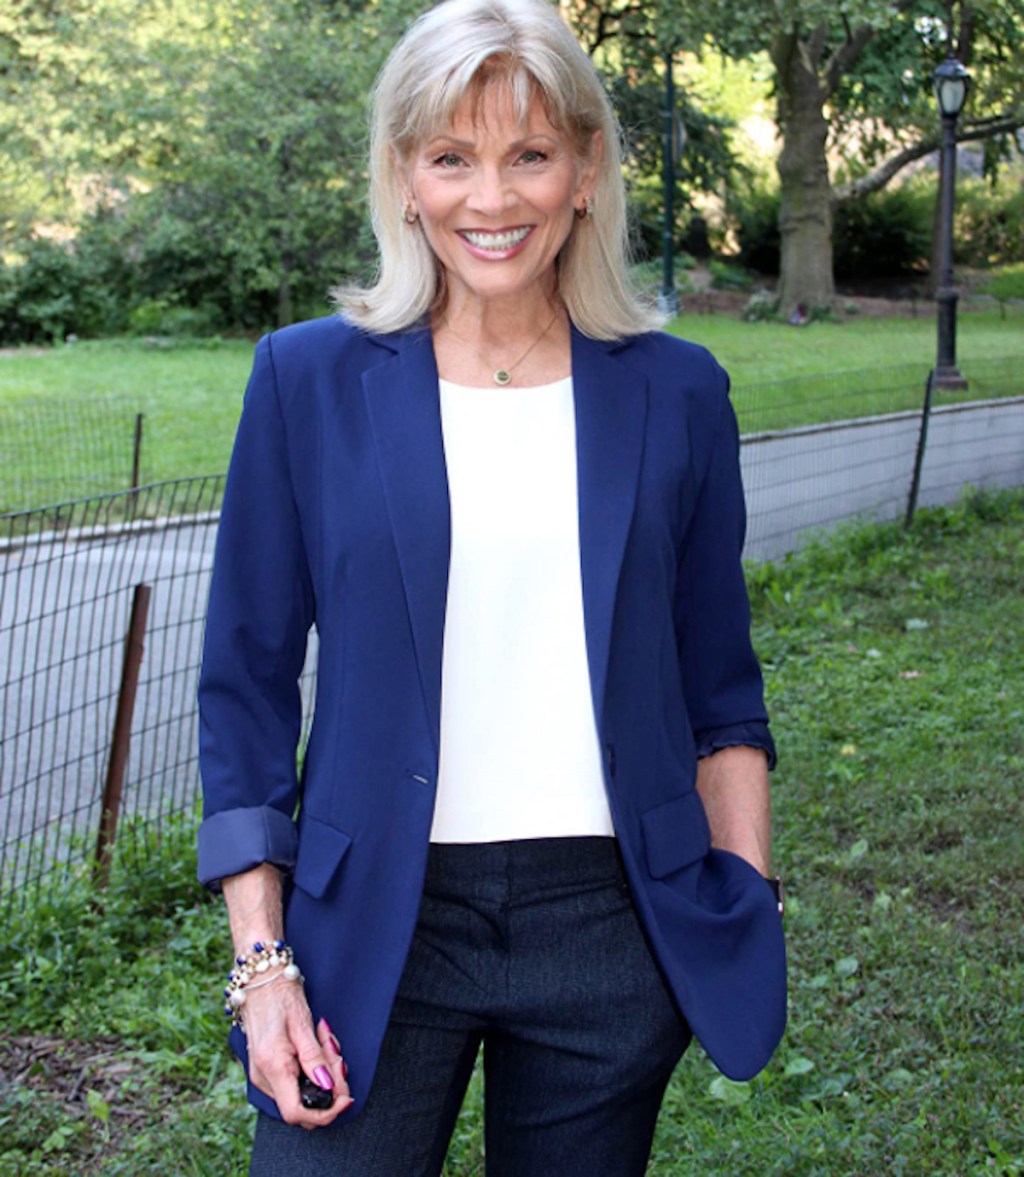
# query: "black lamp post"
(951, 82)
(668, 299)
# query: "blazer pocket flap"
(321, 849)
(676, 834)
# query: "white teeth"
(496, 241)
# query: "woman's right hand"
(277, 1019)
(283, 1044)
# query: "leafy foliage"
(707, 161)
(884, 234)
(857, 75)
(989, 220)
(196, 165)
(216, 148)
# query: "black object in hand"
(314, 1096)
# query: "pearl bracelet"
(248, 968)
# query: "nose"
(491, 193)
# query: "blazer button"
(610, 754)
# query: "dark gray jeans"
(533, 949)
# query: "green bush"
(884, 234)
(729, 276)
(172, 263)
(989, 220)
(754, 214)
(160, 316)
(52, 288)
(105, 276)
(38, 299)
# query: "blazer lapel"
(611, 417)
(405, 415)
(403, 403)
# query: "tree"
(274, 183)
(217, 144)
(860, 69)
(95, 95)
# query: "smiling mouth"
(506, 239)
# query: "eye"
(448, 159)
(531, 155)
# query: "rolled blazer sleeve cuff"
(236, 840)
(753, 734)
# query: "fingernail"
(336, 1045)
(323, 1078)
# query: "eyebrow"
(468, 145)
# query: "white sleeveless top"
(520, 756)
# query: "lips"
(496, 242)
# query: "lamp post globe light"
(951, 81)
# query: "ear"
(590, 167)
(401, 169)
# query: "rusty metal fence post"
(120, 741)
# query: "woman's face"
(496, 197)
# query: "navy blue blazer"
(336, 514)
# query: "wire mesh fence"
(54, 450)
(855, 456)
(68, 576)
(820, 398)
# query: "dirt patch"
(733, 302)
(60, 1074)
(63, 1070)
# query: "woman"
(513, 512)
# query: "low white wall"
(809, 479)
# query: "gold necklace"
(504, 375)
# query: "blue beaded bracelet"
(263, 957)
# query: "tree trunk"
(805, 216)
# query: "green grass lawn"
(895, 678)
(67, 414)
(755, 353)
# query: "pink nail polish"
(332, 1037)
(344, 1067)
(323, 1078)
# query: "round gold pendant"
(502, 377)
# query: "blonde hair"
(456, 49)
